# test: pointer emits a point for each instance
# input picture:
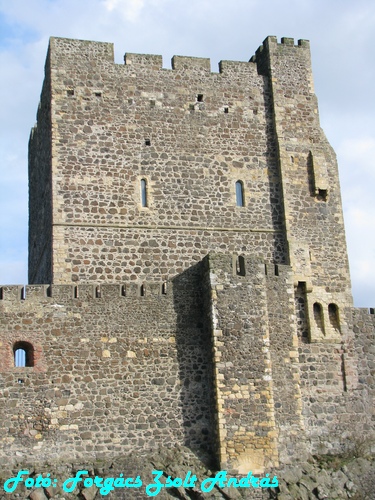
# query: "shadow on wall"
(194, 354)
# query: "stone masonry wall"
(189, 133)
(308, 173)
(337, 384)
(244, 382)
(111, 374)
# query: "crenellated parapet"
(32, 293)
(73, 51)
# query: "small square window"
(226, 109)
(70, 92)
(147, 142)
(200, 97)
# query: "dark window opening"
(333, 314)
(98, 94)
(240, 201)
(70, 92)
(226, 109)
(200, 97)
(147, 142)
(23, 354)
(241, 271)
(152, 103)
(318, 316)
(123, 291)
(276, 270)
(21, 381)
(164, 288)
(142, 291)
(144, 200)
(322, 194)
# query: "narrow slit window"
(333, 313)
(240, 200)
(226, 109)
(144, 200)
(318, 316)
(241, 270)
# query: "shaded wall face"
(110, 375)
(40, 190)
(186, 136)
(337, 382)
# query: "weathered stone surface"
(148, 336)
(38, 494)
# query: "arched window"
(318, 316)
(333, 313)
(240, 199)
(23, 354)
(144, 201)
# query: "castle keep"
(189, 279)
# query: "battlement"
(71, 50)
(285, 42)
(32, 293)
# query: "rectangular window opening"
(147, 142)
(200, 97)
(322, 194)
(98, 94)
(70, 92)
(226, 109)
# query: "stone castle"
(189, 279)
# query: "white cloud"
(129, 9)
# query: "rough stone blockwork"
(189, 281)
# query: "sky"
(341, 33)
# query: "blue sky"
(341, 33)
